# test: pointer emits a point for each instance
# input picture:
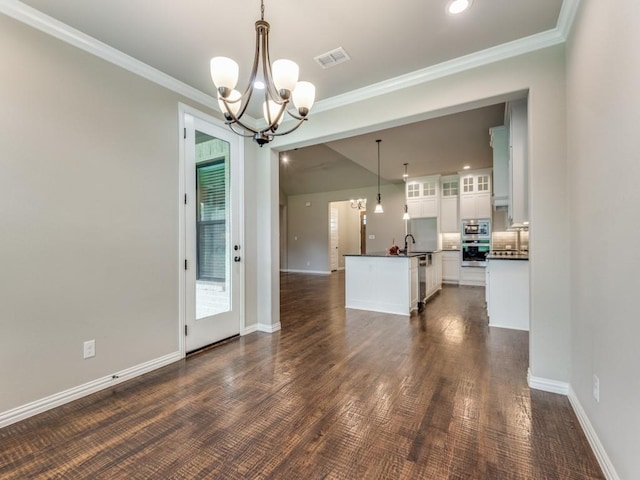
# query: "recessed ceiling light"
(466, 167)
(458, 6)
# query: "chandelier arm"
(237, 132)
(270, 86)
(236, 119)
(279, 134)
(246, 95)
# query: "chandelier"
(281, 87)
(360, 203)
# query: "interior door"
(212, 241)
(333, 233)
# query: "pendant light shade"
(406, 213)
(379, 205)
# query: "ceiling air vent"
(334, 57)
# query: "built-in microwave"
(480, 228)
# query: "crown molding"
(61, 31)
(46, 24)
(444, 69)
(567, 16)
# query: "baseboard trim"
(597, 447)
(313, 272)
(263, 327)
(39, 406)
(248, 330)
(547, 385)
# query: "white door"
(333, 233)
(213, 252)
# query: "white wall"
(89, 212)
(603, 117)
(308, 227)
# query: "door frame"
(182, 244)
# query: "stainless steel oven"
(474, 252)
(475, 242)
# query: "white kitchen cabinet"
(508, 294)
(423, 196)
(449, 204)
(451, 266)
(473, 276)
(381, 283)
(434, 275)
(475, 194)
(518, 203)
(500, 145)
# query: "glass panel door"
(212, 247)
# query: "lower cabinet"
(451, 266)
(473, 276)
(434, 275)
(508, 295)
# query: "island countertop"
(385, 254)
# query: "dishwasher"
(424, 261)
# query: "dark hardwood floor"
(334, 395)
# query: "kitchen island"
(390, 283)
(507, 291)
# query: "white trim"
(547, 385)
(30, 409)
(250, 329)
(596, 445)
(268, 328)
(311, 272)
(444, 69)
(567, 16)
(61, 31)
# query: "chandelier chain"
(261, 9)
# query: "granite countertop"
(517, 256)
(385, 254)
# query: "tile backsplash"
(450, 241)
(518, 240)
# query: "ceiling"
(383, 41)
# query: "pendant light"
(405, 176)
(379, 205)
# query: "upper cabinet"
(423, 196)
(518, 201)
(475, 194)
(500, 145)
(449, 189)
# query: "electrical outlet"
(89, 348)
(372, 237)
(596, 388)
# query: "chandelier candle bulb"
(273, 113)
(285, 76)
(224, 73)
(303, 97)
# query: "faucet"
(406, 245)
